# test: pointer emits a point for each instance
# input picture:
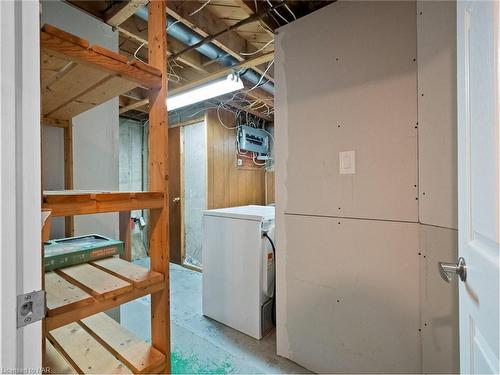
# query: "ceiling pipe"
(187, 36)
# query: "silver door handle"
(176, 199)
(447, 269)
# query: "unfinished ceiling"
(207, 40)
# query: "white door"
(478, 182)
(20, 218)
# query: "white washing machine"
(238, 268)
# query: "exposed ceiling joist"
(249, 8)
(135, 105)
(225, 71)
(210, 38)
(120, 12)
(136, 28)
(252, 111)
(205, 23)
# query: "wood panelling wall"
(228, 185)
(269, 187)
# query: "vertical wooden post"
(158, 177)
(69, 228)
(124, 225)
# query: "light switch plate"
(347, 162)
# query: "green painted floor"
(201, 345)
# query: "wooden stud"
(158, 177)
(124, 224)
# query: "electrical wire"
(262, 77)
(289, 10)
(200, 8)
(259, 50)
(277, 13)
(137, 50)
(273, 315)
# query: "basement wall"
(95, 132)
(357, 285)
(227, 184)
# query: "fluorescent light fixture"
(211, 90)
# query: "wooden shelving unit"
(77, 202)
(78, 336)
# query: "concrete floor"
(201, 345)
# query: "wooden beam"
(225, 71)
(120, 12)
(136, 29)
(57, 123)
(135, 105)
(249, 8)
(252, 111)
(206, 24)
(210, 38)
(158, 177)
(69, 224)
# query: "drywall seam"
(348, 217)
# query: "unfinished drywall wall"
(53, 169)
(437, 140)
(95, 132)
(342, 234)
(367, 80)
(437, 108)
(348, 306)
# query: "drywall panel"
(439, 301)
(437, 120)
(95, 132)
(53, 169)
(353, 295)
(360, 97)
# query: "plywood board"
(352, 295)
(438, 301)
(360, 97)
(437, 109)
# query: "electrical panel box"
(253, 139)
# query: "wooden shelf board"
(75, 202)
(76, 292)
(84, 352)
(77, 77)
(98, 344)
(135, 353)
(55, 363)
